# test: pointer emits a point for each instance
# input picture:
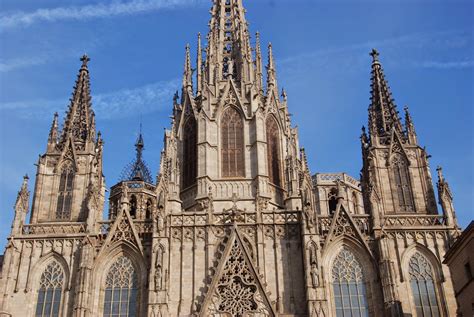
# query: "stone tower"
(235, 224)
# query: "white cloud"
(118, 104)
(99, 10)
(448, 65)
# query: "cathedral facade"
(234, 224)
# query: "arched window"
(348, 286)
(121, 289)
(50, 291)
(133, 206)
(273, 151)
(189, 164)
(232, 144)
(401, 183)
(423, 286)
(355, 203)
(149, 206)
(66, 185)
(332, 201)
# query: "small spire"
(188, 72)
(53, 132)
(439, 169)
(258, 62)
(199, 66)
(409, 126)
(24, 186)
(271, 73)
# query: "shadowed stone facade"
(235, 223)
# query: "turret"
(21, 207)
(446, 199)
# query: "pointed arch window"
(189, 165)
(401, 182)
(133, 206)
(50, 291)
(66, 187)
(423, 286)
(149, 206)
(348, 286)
(232, 143)
(273, 151)
(121, 289)
(332, 201)
(355, 203)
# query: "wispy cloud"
(118, 104)
(407, 49)
(448, 65)
(99, 10)
(17, 63)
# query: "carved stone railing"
(407, 221)
(140, 225)
(201, 218)
(54, 228)
(325, 178)
(361, 221)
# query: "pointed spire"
(446, 199)
(271, 72)
(229, 51)
(258, 62)
(79, 122)
(137, 170)
(53, 133)
(188, 72)
(409, 126)
(21, 207)
(383, 115)
(199, 66)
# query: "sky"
(321, 49)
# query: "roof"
(467, 234)
(137, 170)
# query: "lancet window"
(121, 289)
(348, 286)
(66, 186)
(332, 201)
(189, 166)
(401, 182)
(148, 211)
(133, 206)
(423, 286)
(50, 291)
(355, 203)
(273, 151)
(232, 144)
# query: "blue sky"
(321, 49)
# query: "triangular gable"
(396, 146)
(68, 153)
(230, 96)
(123, 230)
(344, 225)
(236, 274)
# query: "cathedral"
(235, 223)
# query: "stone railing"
(407, 221)
(361, 221)
(330, 178)
(54, 228)
(140, 225)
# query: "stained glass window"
(189, 166)
(50, 291)
(273, 151)
(232, 144)
(348, 286)
(121, 289)
(66, 184)
(423, 286)
(401, 179)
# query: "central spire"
(229, 43)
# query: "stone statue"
(158, 278)
(314, 275)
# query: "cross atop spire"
(383, 114)
(79, 123)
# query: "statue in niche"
(314, 275)
(158, 278)
(160, 223)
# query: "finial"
(375, 56)
(439, 169)
(25, 181)
(283, 94)
(85, 59)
